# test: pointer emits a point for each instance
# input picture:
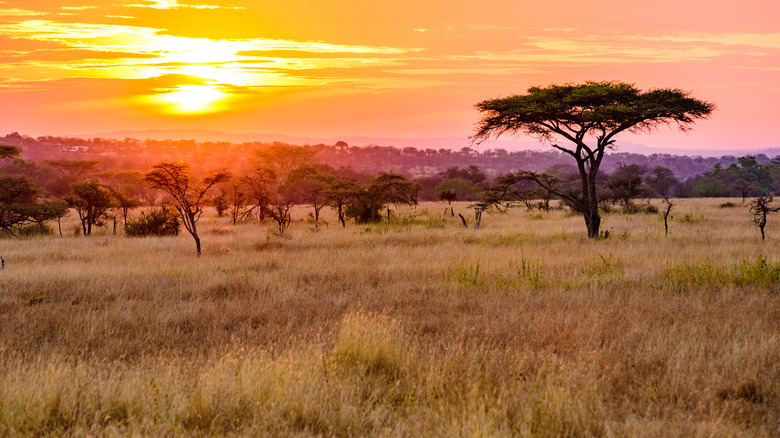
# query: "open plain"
(415, 327)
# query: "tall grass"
(418, 327)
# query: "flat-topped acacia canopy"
(589, 116)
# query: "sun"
(192, 99)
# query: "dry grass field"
(418, 327)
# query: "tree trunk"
(590, 200)
(593, 222)
(197, 241)
(193, 230)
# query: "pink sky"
(383, 69)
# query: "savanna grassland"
(417, 327)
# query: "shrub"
(759, 273)
(32, 230)
(162, 222)
(362, 213)
(648, 208)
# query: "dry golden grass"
(414, 328)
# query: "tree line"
(282, 177)
(138, 155)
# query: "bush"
(363, 214)
(632, 208)
(162, 222)
(32, 230)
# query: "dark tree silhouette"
(626, 184)
(189, 194)
(760, 207)
(386, 188)
(17, 193)
(221, 202)
(91, 202)
(522, 187)
(306, 185)
(588, 116)
(7, 151)
(73, 168)
(447, 195)
(339, 194)
(661, 179)
(258, 187)
(667, 211)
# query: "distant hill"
(452, 143)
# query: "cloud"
(593, 50)
(174, 4)
(77, 8)
(47, 48)
(13, 12)
(767, 40)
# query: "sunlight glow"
(192, 99)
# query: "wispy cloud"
(592, 50)
(174, 4)
(132, 52)
(13, 12)
(767, 40)
(77, 8)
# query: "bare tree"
(189, 194)
(761, 207)
(667, 211)
(238, 200)
(258, 187)
(522, 187)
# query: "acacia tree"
(306, 185)
(626, 184)
(386, 188)
(588, 116)
(16, 193)
(91, 202)
(189, 194)
(339, 194)
(661, 179)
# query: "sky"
(384, 69)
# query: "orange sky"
(383, 69)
